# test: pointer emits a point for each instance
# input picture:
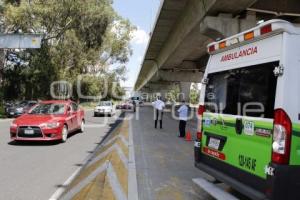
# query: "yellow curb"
(121, 171)
(123, 147)
(93, 190)
(100, 186)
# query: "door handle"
(239, 126)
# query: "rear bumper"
(101, 112)
(284, 184)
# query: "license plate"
(214, 143)
(29, 132)
(249, 128)
(12, 113)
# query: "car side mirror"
(69, 111)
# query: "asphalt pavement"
(34, 171)
(164, 162)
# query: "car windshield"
(105, 103)
(48, 109)
(22, 103)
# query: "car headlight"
(50, 125)
(13, 125)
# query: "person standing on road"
(134, 105)
(183, 115)
(159, 106)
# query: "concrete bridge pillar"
(184, 91)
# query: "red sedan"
(48, 121)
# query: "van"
(248, 132)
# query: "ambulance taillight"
(201, 110)
(211, 48)
(282, 133)
(266, 29)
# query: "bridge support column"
(184, 91)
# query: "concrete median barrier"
(109, 173)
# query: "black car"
(19, 109)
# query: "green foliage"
(194, 94)
(173, 94)
(78, 38)
(2, 111)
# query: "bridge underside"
(176, 55)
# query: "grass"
(88, 105)
(93, 104)
(2, 112)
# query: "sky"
(142, 14)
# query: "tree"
(194, 94)
(79, 37)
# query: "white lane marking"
(86, 181)
(115, 184)
(112, 140)
(61, 190)
(108, 151)
(122, 156)
(124, 140)
(132, 179)
(57, 194)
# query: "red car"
(48, 121)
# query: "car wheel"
(95, 115)
(64, 134)
(82, 126)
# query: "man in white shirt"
(183, 116)
(159, 106)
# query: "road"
(32, 171)
(164, 162)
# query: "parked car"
(48, 121)
(105, 108)
(127, 106)
(18, 109)
(119, 106)
(8, 107)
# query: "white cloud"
(140, 37)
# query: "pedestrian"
(134, 105)
(159, 106)
(183, 115)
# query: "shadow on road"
(35, 143)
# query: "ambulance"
(248, 132)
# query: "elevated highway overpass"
(176, 54)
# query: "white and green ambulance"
(249, 114)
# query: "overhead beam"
(191, 17)
(193, 75)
